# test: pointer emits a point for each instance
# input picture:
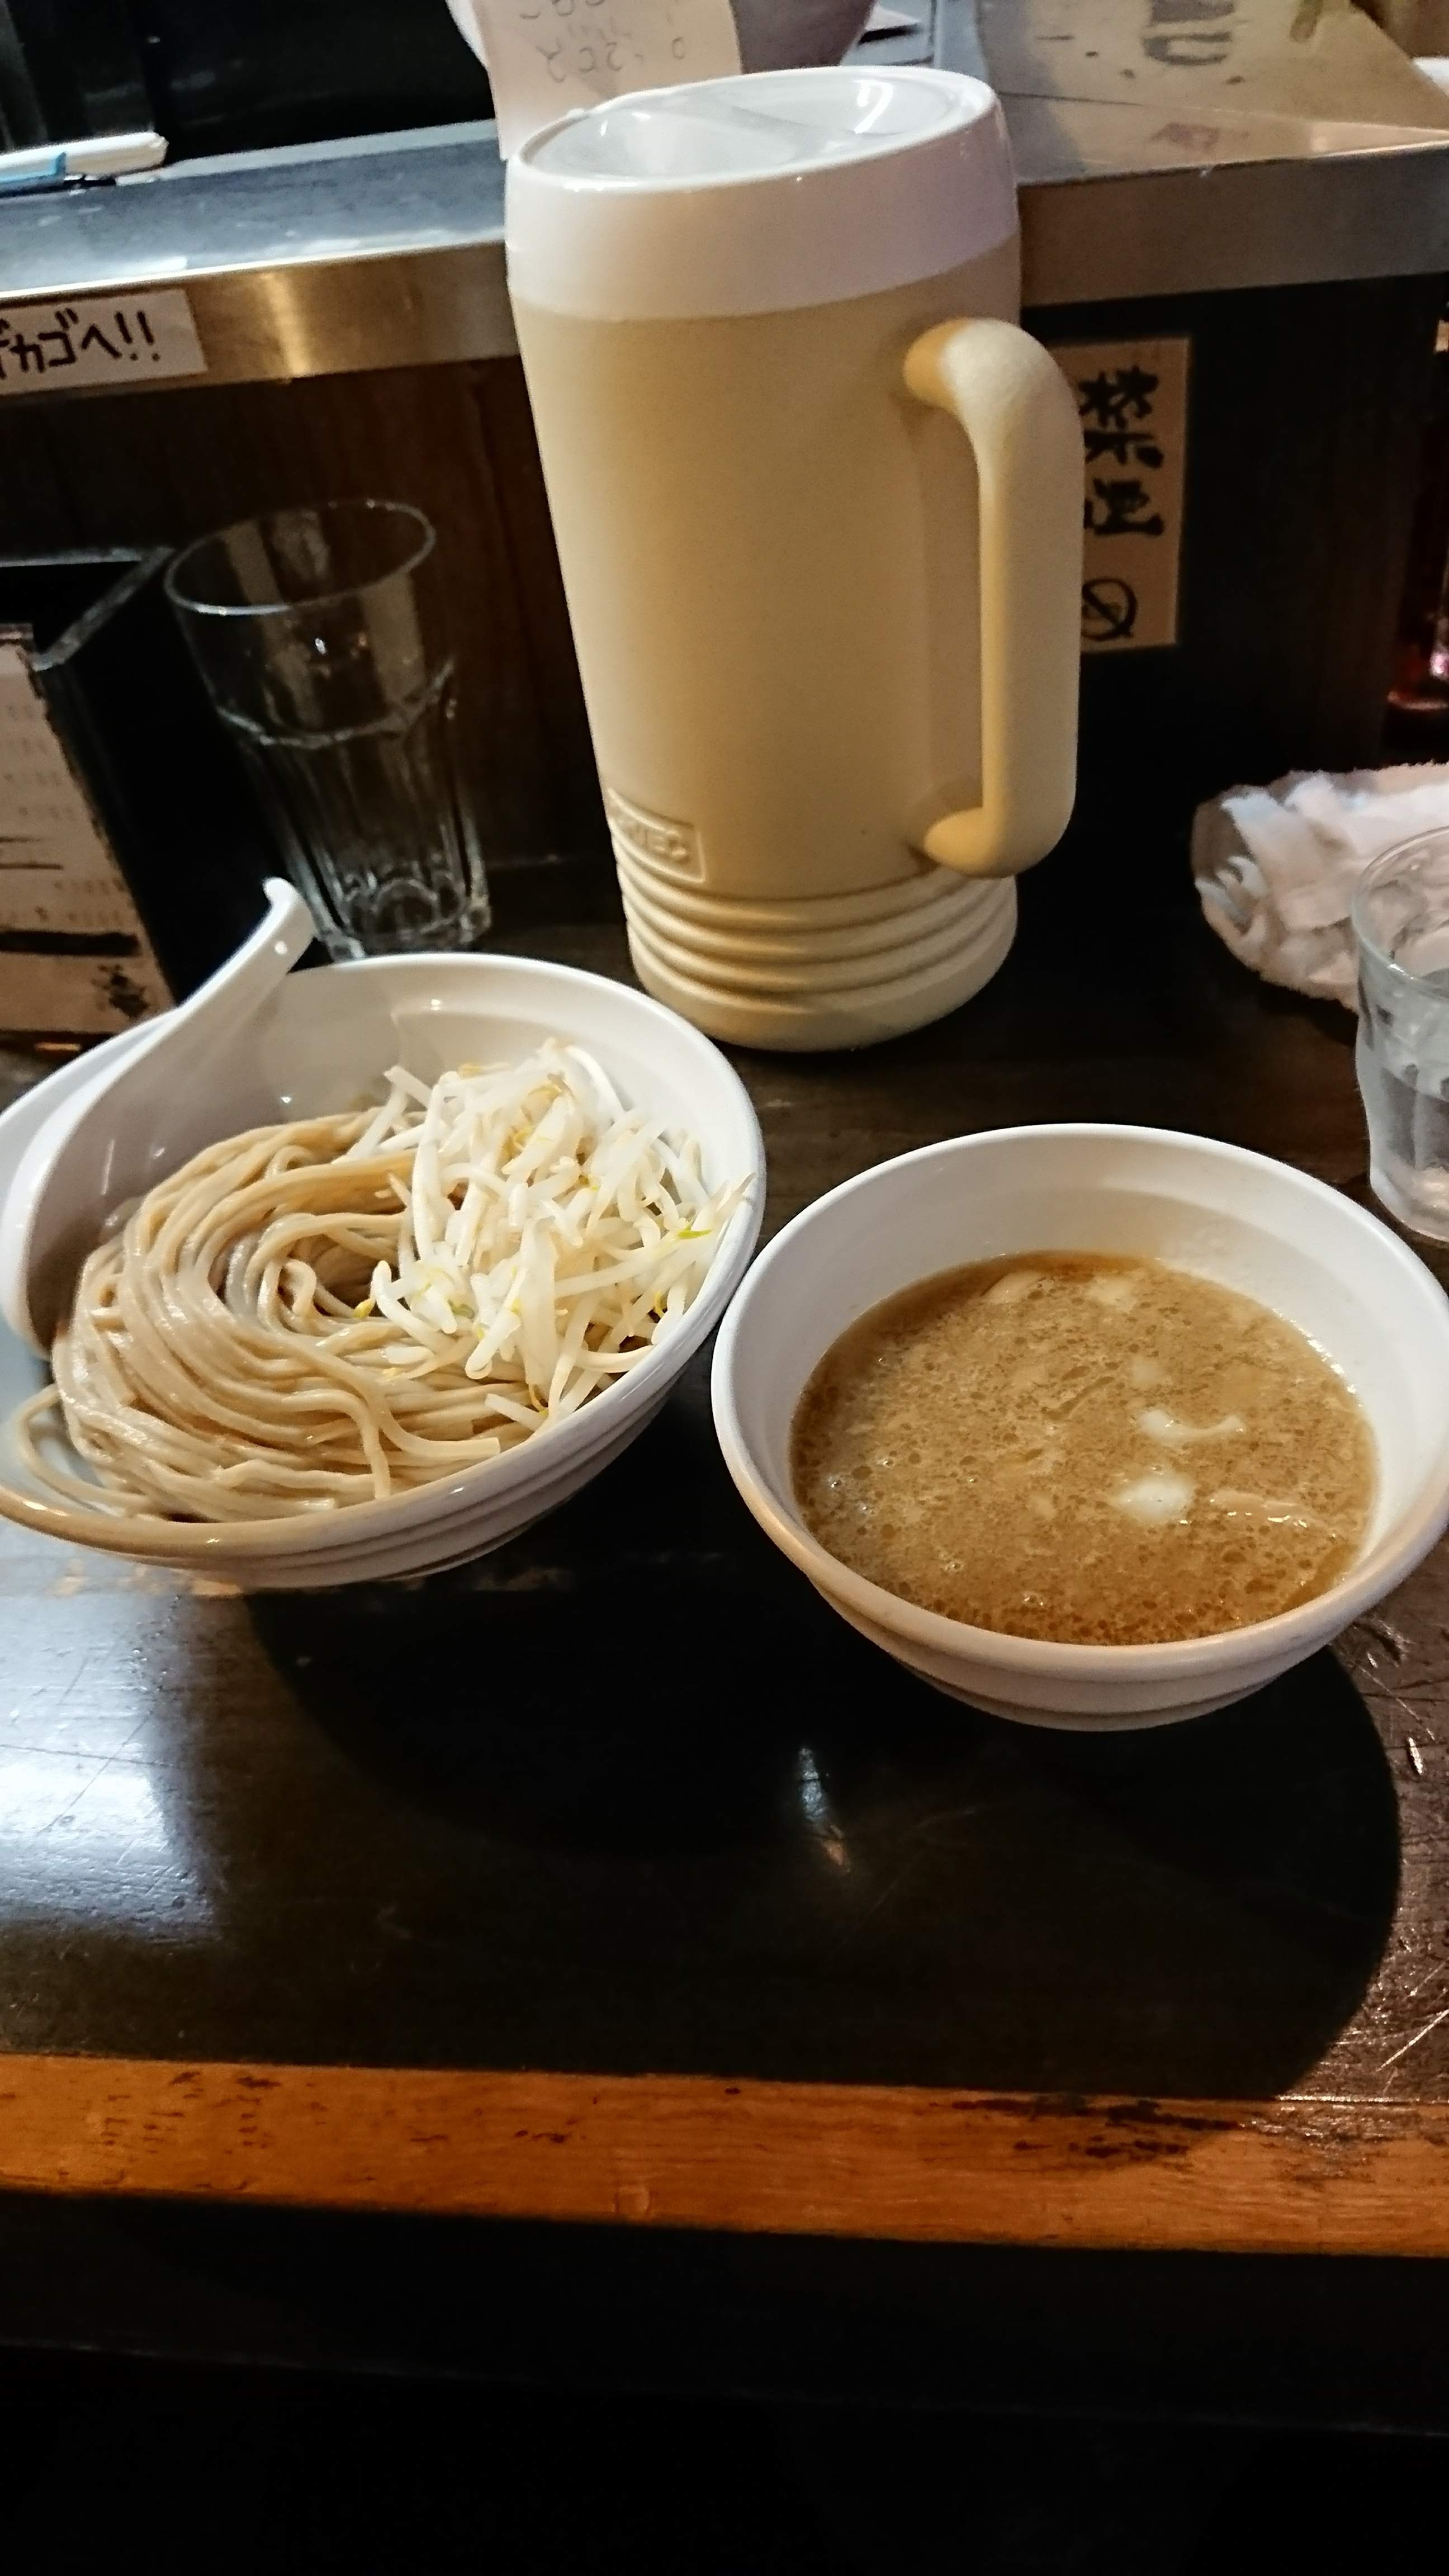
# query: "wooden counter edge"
(1291, 2176)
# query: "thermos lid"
(760, 193)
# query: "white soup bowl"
(1255, 1225)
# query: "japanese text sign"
(1132, 398)
(97, 340)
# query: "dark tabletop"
(626, 1800)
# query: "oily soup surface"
(1084, 1446)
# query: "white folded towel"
(1276, 866)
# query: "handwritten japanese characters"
(545, 57)
(1132, 398)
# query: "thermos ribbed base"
(839, 971)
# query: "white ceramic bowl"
(322, 1041)
(1296, 1245)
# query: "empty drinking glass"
(320, 636)
(1401, 923)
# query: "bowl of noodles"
(429, 1244)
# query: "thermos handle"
(1017, 410)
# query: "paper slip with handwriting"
(546, 57)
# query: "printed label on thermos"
(652, 839)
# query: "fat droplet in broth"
(1112, 1288)
(1156, 1499)
(1280, 1508)
(1161, 1425)
(1012, 1287)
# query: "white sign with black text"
(98, 340)
(1132, 398)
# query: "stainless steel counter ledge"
(1315, 160)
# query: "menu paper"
(547, 57)
(73, 954)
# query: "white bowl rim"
(1054, 1659)
(254, 1541)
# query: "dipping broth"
(1084, 1446)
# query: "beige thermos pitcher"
(818, 503)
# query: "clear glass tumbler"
(320, 636)
(1401, 924)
